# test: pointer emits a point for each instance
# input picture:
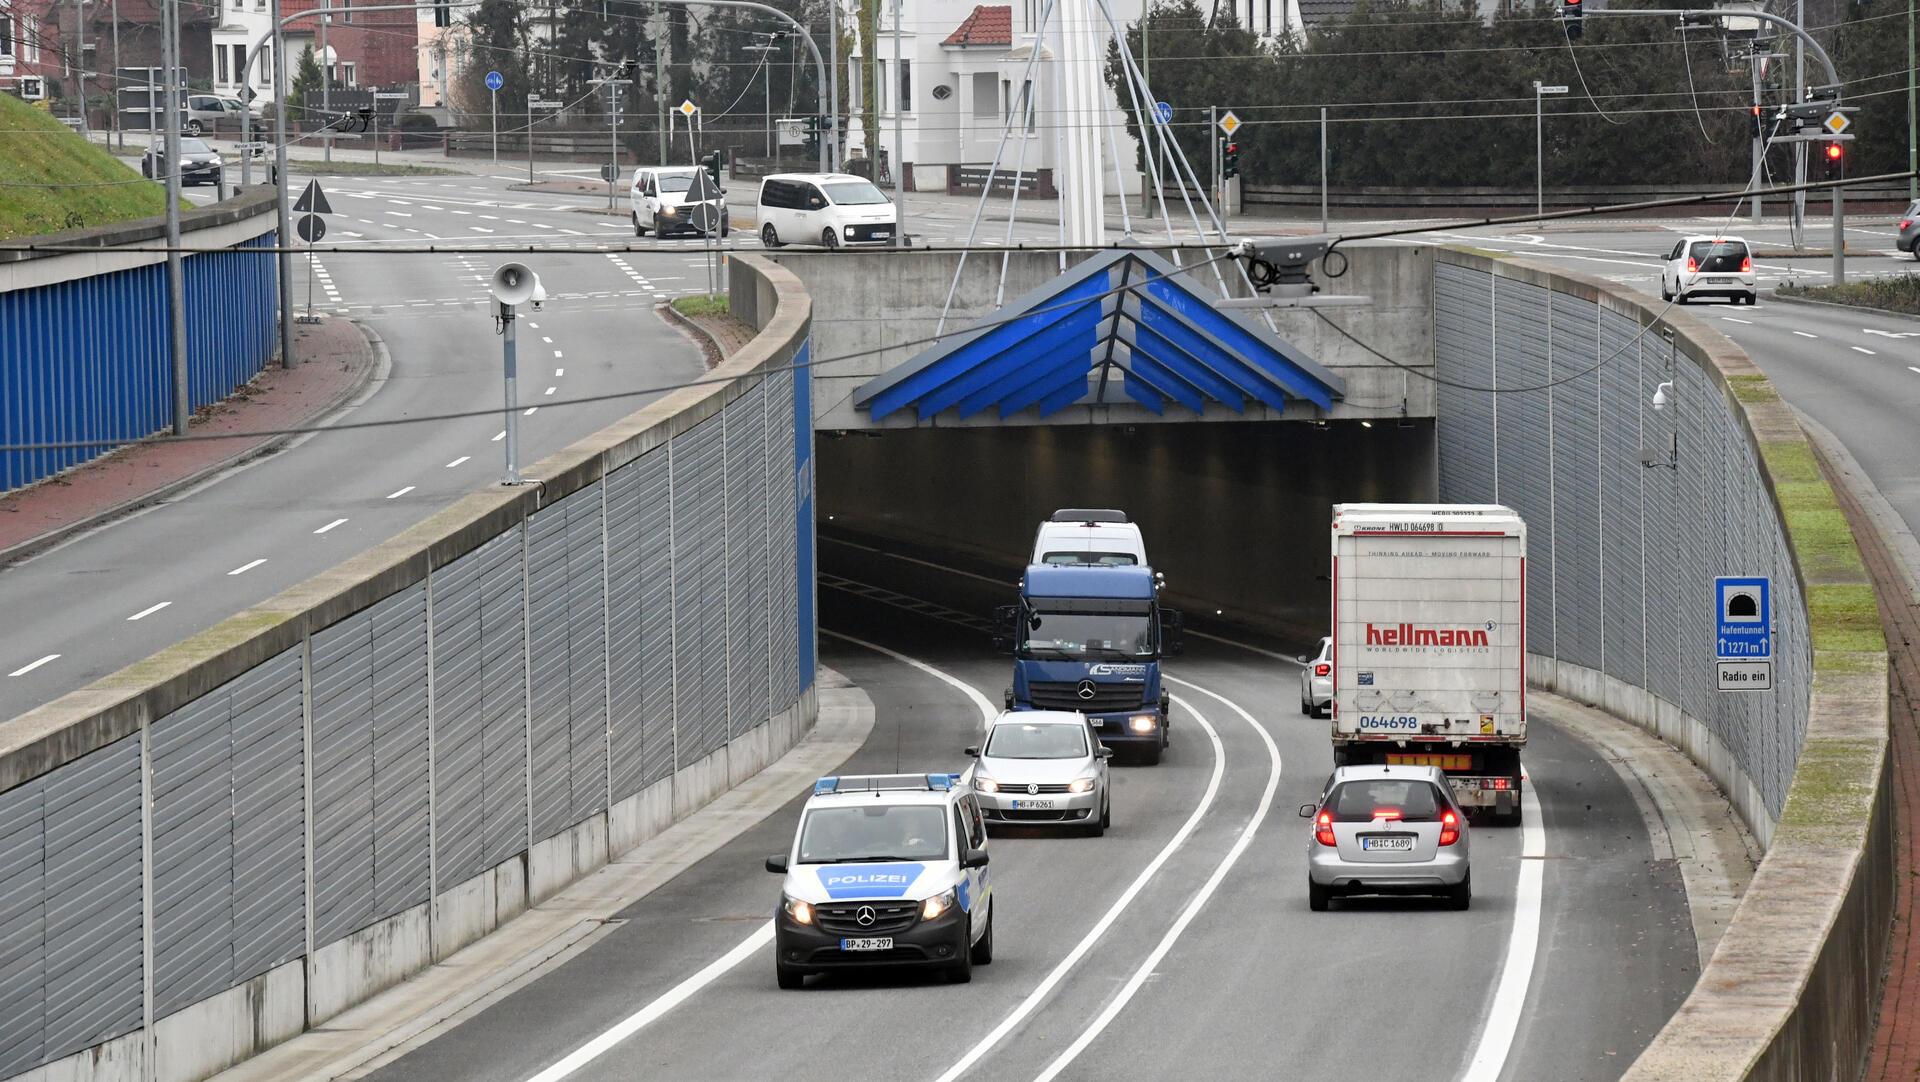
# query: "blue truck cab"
(1090, 638)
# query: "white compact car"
(884, 870)
(1387, 830)
(657, 199)
(1709, 267)
(1043, 768)
(1316, 681)
(828, 209)
(1089, 535)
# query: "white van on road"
(658, 199)
(828, 209)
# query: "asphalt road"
(1248, 977)
(235, 542)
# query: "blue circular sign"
(494, 81)
(1164, 110)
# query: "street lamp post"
(326, 89)
(1540, 145)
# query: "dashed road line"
(246, 567)
(402, 492)
(30, 666)
(331, 525)
(457, 461)
(1804, 334)
(1863, 349)
(148, 611)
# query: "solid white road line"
(402, 492)
(25, 669)
(647, 1015)
(331, 525)
(246, 567)
(1200, 898)
(457, 461)
(148, 611)
(987, 710)
(1523, 943)
(1080, 949)
(1274, 654)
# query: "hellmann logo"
(1414, 635)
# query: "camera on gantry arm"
(1279, 265)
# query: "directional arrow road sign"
(1164, 111)
(495, 81)
(313, 200)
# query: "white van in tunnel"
(1089, 535)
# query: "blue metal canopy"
(1125, 313)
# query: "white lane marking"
(987, 710)
(331, 525)
(1804, 334)
(529, 411)
(398, 213)
(402, 492)
(498, 436)
(1863, 349)
(1730, 319)
(248, 566)
(25, 669)
(550, 390)
(559, 372)
(148, 611)
(1200, 897)
(1510, 995)
(1274, 654)
(457, 461)
(1107, 919)
(557, 354)
(1915, 371)
(667, 1001)
(547, 340)
(532, 326)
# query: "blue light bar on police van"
(875, 783)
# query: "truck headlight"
(936, 905)
(1080, 785)
(985, 784)
(800, 911)
(1142, 723)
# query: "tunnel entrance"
(1234, 514)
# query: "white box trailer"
(1430, 644)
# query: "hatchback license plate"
(1033, 805)
(1386, 842)
(871, 943)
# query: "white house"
(242, 22)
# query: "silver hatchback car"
(1043, 768)
(1387, 830)
(1316, 681)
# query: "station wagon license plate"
(871, 943)
(1033, 805)
(1386, 843)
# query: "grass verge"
(711, 305)
(1893, 292)
(51, 179)
(318, 168)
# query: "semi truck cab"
(1090, 638)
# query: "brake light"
(1449, 828)
(1905, 224)
(1322, 669)
(1323, 828)
(1693, 265)
(1746, 265)
(1386, 813)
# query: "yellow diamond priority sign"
(1836, 122)
(1229, 123)
(688, 108)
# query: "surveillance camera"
(1283, 262)
(539, 294)
(1660, 396)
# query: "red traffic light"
(1756, 111)
(1573, 5)
(1834, 152)
(1233, 148)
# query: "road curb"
(379, 361)
(1886, 522)
(1774, 295)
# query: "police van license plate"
(871, 943)
(1380, 843)
(1033, 805)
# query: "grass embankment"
(701, 306)
(51, 179)
(1893, 293)
(365, 169)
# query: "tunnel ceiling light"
(1366, 424)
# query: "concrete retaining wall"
(238, 838)
(1724, 483)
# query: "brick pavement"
(336, 360)
(1896, 1047)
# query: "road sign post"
(494, 83)
(1540, 146)
(1743, 633)
(311, 227)
(1228, 123)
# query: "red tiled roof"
(990, 24)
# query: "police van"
(884, 870)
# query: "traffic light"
(1570, 15)
(1753, 123)
(1229, 160)
(812, 135)
(711, 163)
(1836, 161)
